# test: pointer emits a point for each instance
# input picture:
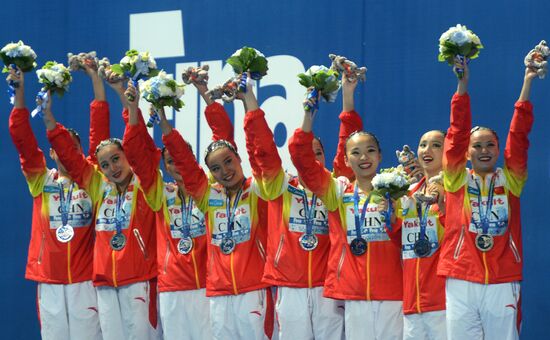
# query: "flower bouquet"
(319, 81)
(458, 43)
(162, 90)
(343, 65)
(248, 59)
(56, 79)
(18, 54)
(391, 183)
(537, 59)
(136, 65)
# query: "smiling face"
(363, 155)
(318, 151)
(113, 164)
(483, 151)
(430, 152)
(226, 167)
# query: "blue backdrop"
(407, 91)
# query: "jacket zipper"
(459, 243)
(279, 250)
(341, 262)
(41, 252)
(167, 256)
(514, 249)
(140, 243)
(260, 249)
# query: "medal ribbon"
(358, 219)
(309, 211)
(121, 199)
(65, 203)
(484, 218)
(186, 210)
(231, 211)
(423, 218)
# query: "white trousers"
(422, 326)
(477, 311)
(124, 312)
(238, 316)
(304, 313)
(68, 311)
(185, 315)
(374, 320)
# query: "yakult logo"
(284, 110)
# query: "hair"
(106, 142)
(363, 133)
(219, 144)
(74, 134)
(483, 128)
(443, 132)
(317, 138)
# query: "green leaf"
(235, 62)
(154, 72)
(259, 65)
(116, 68)
(305, 80)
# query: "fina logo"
(283, 112)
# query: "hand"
(132, 92)
(436, 190)
(383, 207)
(48, 108)
(90, 68)
(462, 82)
(530, 73)
(15, 75)
(413, 169)
(348, 85)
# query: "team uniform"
(370, 283)
(302, 311)
(67, 302)
(238, 298)
(183, 305)
(423, 290)
(482, 287)
(124, 267)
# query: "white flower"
(459, 38)
(316, 68)
(125, 60)
(165, 91)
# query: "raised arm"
(517, 143)
(141, 152)
(99, 114)
(311, 172)
(194, 177)
(458, 135)
(31, 157)
(262, 149)
(350, 122)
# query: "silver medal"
(227, 245)
(484, 242)
(118, 241)
(308, 242)
(185, 245)
(64, 233)
(422, 247)
(358, 246)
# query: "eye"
(491, 144)
(437, 145)
(104, 165)
(370, 150)
(169, 162)
(115, 159)
(318, 154)
(355, 152)
(228, 161)
(215, 168)
(422, 145)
